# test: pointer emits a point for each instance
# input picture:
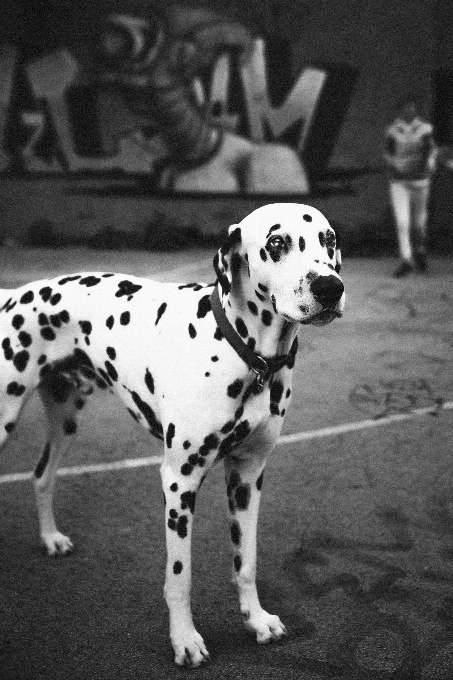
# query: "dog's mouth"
(322, 318)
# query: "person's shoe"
(403, 269)
(421, 262)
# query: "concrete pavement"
(356, 529)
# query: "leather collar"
(263, 367)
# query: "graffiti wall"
(186, 98)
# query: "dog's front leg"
(244, 478)
(180, 495)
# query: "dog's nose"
(327, 289)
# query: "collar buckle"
(261, 367)
(261, 373)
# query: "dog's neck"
(252, 315)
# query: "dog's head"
(291, 257)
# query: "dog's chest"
(259, 415)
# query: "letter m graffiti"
(299, 108)
(311, 112)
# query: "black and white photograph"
(226, 240)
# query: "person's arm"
(430, 151)
(389, 150)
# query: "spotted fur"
(158, 347)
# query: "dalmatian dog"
(205, 368)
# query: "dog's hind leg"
(61, 407)
(244, 478)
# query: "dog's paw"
(189, 649)
(57, 544)
(267, 628)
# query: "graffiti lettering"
(217, 99)
(51, 77)
(36, 122)
(300, 105)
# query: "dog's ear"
(227, 260)
(337, 227)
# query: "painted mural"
(190, 100)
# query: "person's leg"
(400, 198)
(419, 205)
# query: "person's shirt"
(410, 149)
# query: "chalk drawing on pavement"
(382, 397)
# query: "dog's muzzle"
(327, 290)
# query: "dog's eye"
(276, 242)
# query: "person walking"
(410, 155)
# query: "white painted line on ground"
(131, 463)
(125, 464)
(363, 424)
